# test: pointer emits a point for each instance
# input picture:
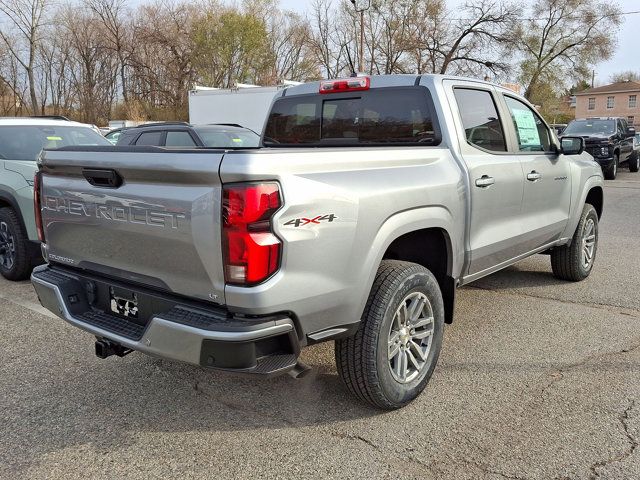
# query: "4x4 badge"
(301, 222)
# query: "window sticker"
(55, 139)
(527, 128)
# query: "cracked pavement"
(538, 379)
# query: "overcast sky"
(627, 55)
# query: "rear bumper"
(178, 331)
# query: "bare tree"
(628, 76)
(25, 18)
(476, 38)
(93, 69)
(288, 42)
(113, 15)
(329, 44)
(563, 38)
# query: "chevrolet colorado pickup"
(370, 201)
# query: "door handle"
(102, 178)
(534, 176)
(485, 181)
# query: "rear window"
(25, 142)
(216, 137)
(379, 116)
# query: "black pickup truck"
(609, 140)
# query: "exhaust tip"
(300, 370)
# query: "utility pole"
(361, 12)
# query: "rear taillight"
(251, 250)
(37, 205)
(355, 84)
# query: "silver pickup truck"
(370, 201)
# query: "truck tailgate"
(150, 216)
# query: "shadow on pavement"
(517, 276)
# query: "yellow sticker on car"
(55, 139)
(237, 140)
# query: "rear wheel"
(390, 359)
(15, 252)
(611, 171)
(634, 162)
(574, 262)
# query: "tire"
(15, 251)
(571, 262)
(634, 162)
(611, 172)
(363, 360)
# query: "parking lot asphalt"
(538, 379)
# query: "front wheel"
(611, 171)
(574, 262)
(634, 162)
(390, 359)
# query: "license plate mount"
(123, 302)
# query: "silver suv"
(21, 141)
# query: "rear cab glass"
(380, 116)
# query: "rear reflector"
(355, 84)
(251, 251)
(37, 205)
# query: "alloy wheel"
(7, 247)
(410, 337)
(588, 243)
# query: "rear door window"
(379, 116)
(150, 138)
(181, 139)
(480, 119)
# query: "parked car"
(371, 201)
(634, 166)
(558, 127)
(609, 140)
(114, 135)
(184, 135)
(21, 141)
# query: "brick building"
(620, 99)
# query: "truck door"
(626, 142)
(496, 179)
(547, 176)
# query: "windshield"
(591, 127)
(216, 137)
(25, 142)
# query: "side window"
(150, 138)
(179, 139)
(480, 119)
(622, 127)
(531, 132)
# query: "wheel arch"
(430, 247)
(595, 197)
(8, 200)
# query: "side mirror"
(631, 132)
(571, 145)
